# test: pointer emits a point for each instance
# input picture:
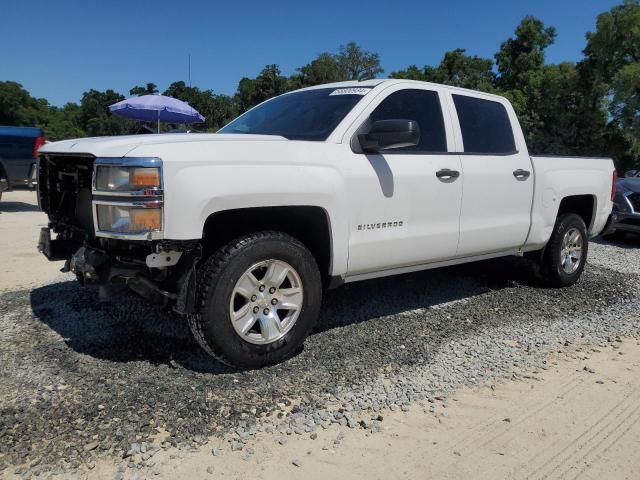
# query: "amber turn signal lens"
(145, 219)
(144, 177)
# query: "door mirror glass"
(389, 134)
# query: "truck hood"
(120, 146)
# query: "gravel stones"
(216, 452)
(114, 376)
(236, 446)
(91, 446)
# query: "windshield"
(304, 115)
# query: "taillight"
(36, 146)
(614, 178)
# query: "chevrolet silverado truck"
(242, 230)
(18, 154)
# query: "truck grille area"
(64, 191)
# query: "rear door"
(402, 210)
(498, 176)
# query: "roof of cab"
(351, 83)
(379, 81)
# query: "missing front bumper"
(168, 278)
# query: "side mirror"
(388, 134)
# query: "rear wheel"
(566, 253)
(259, 296)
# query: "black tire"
(551, 267)
(217, 276)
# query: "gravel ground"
(83, 380)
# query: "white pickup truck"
(242, 230)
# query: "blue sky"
(59, 49)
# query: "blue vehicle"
(18, 155)
(625, 217)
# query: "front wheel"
(566, 253)
(258, 299)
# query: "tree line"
(589, 107)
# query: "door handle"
(521, 175)
(447, 175)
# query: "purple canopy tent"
(157, 107)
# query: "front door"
(404, 204)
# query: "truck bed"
(557, 177)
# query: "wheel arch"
(311, 225)
(582, 205)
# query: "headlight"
(128, 198)
(129, 219)
(123, 179)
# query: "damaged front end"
(107, 223)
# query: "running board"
(428, 266)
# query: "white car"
(243, 229)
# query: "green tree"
(565, 116)
(246, 94)
(625, 105)
(18, 107)
(358, 64)
(463, 70)
(150, 89)
(457, 69)
(613, 55)
(96, 119)
(350, 63)
(269, 83)
(63, 123)
(521, 73)
(224, 110)
(523, 54)
(324, 69)
(217, 109)
(412, 72)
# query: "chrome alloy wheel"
(571, 251)
(266, 302)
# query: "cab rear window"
(485, 126)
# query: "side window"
(422, 106)
(485, 125)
